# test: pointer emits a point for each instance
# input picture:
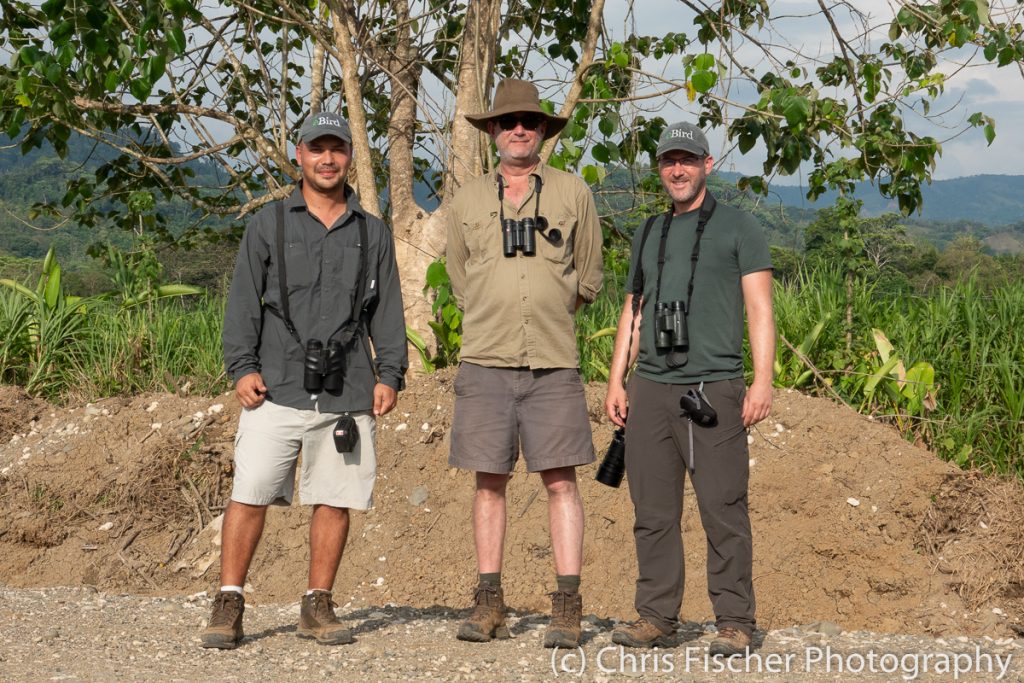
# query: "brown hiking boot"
(641, 633)
(317, 620)
(730, 642)
(566, 612)
(224, 631)
(488, 618)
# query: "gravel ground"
(75, 634)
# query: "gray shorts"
(267, 448)
(497, 409)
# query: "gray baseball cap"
(683, 136)
(325, 123)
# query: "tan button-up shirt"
(519, 311)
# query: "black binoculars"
(323, 369)
(670, 325)
(613, 467)
(519, 235)
(695, 406)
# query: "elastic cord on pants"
(689, 428)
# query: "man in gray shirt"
(314, 283)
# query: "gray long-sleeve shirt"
(321, 267)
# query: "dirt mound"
(17, 409)
(126, 494)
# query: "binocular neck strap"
(538, 184)
(707, 208)
(350, 326)
(282, 276)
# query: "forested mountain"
(989, 208)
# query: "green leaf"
(96, 17)
(178, 7)
(177, 290)
(704, 62)
(141, 88)
(51, 295)
(882, 343)
(990, 133)
(54, 73)
(703, 81)
(21, 289)
(590, 174)
(600, 153)
(154, 68)
(111, 81)
(53, 8)
(176, 40)
(877, 376)
(62, 32)
(29, 55)
(437, 275)
(797, 109)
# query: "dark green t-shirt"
(733, 245)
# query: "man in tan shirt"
(524, 253)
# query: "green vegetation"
(971, 336)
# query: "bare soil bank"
(851, 523)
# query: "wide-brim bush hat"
(515, 96)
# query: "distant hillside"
(989, 207)
(990, 200)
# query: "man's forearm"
(627, 342)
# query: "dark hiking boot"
(641, 633)
(224, 630)
(488, 618)
(566, 612)
(317, 620)
(729, 642)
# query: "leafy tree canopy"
(164, 83)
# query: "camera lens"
(613, 467)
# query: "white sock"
(233, 589)
(313, 590)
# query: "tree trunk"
(420, 235)
(361, 177)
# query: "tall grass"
(97, 348)
(973, 338)
(973, 414)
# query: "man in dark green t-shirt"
(695, 270)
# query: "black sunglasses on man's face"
(529, 121)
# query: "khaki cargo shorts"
(267, 447)
(497, 409)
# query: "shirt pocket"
(342, 274)
(480, 240)
(555, 244)
(299, 267)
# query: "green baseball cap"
(325, 123)
(683, 136)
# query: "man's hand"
(756, 404)
(384, 399)
(250, 390)
(616, 405)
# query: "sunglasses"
(528, 121)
